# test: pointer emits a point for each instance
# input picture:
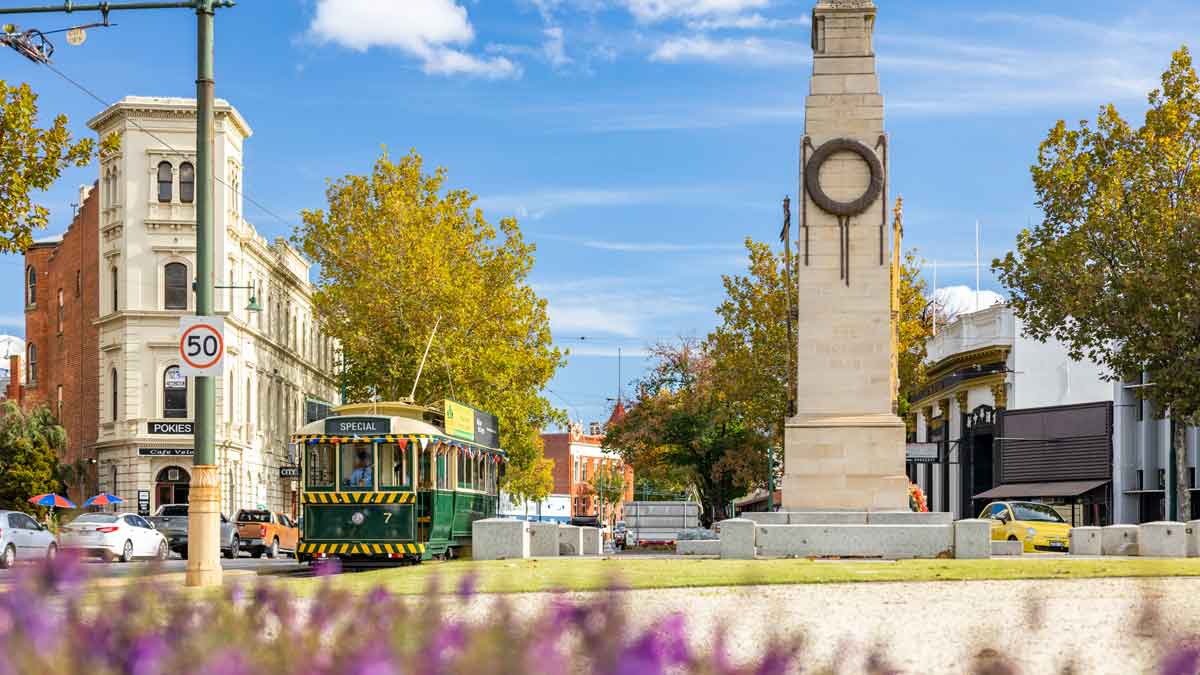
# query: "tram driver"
(361, 476)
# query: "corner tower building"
(844, 448)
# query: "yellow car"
(1037, 526)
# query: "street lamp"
(251, 306)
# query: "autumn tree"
(31, 159)
(29, 443)
(1113, 269)
(684, 420)
(916, 314)
(608, 486)
(400, 252)
(530, 482)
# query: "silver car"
(23, 538)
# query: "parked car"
(125, 536)
(23, 538)
(266, 532)
(1037, 526)
(172, 521)
(620, 535)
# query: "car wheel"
(258, 552)
(52, 551)
(9, 557)
(234, 548)
(106, 556)
(127, 552)
(162, 551)
(1012, 537)
(273, 552)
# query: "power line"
(168, 146)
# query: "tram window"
(393, 463)
(462, 468)
(423, 463)
(358, 469)
(443, 473)
(319, 472)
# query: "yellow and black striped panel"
(358, 498)
(361, 549)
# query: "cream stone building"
(279, 369)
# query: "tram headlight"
(358, 518)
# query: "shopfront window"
(174, 394)
(319, 470)
(358, 468)
(393, 466)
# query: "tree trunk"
(1182, 477)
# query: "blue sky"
(637, 141)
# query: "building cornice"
(166, 109)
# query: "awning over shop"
(1072, 488)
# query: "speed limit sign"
(202, 345)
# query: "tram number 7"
(387, 516)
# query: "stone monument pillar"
(844, 448)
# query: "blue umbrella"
(52, 500)
(103, 499)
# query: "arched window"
(187, 183)
(31, 287)
(175, 286)
(164, 182)
(31, 363)
(174, 394)
(113, 385)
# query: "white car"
(114, 535)
(23, 538)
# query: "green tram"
(393, 483)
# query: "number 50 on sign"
(202, 345)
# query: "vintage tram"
(389, 483)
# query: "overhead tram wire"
(167, 145)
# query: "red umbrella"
(52, 500)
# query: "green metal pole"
(205, 389)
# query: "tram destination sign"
(361, 426)
(169, 427)
(166, 452)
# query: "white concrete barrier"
(1119, 540)
(855, 541)
(1005, 548)
(766, 517)
(910, 518)
(827, 518)
(1193, 537)
(737, 538)
(1086, 541)
(570, 540)
(499, 539)
(1162, 539)
(698, 547)
(591, 541)
(972, 539)
(543, 539)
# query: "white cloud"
(956, 300)
(658, 10)
(554, 48)
(751, 51)
(754, 21)
(536, 205)
(620, 306)
(433, 31)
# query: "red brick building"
(578, 456)
(61, 368)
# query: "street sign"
(289, 472)
(202, 345)
(924, 453)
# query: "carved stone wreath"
(812, 177)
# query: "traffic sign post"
(202, 345)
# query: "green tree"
(916, 313)
(532, 482)
(683, 420)
(31, 159)
(400, 252)
(29, 443)
(608, 486)
(1113, 269)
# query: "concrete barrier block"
(570, 540)
(1086, 541)
(972, 539)
(891, 542)
(499, 539)
(737, 538)
(1007, 548)
(591, 541)
(910, 518)
(543, 539)
(1162, 539)
(698, 547)
(766, 517)
(827, 518)
(1119, 540)
(1193, 537)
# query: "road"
(102, 570)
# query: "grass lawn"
(586, 574)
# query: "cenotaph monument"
(844, 448)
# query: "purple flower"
(147, 654)
(374, 660)
(466, 585)
(328, 567)
(1183, 660)
(228, 662)
(661, 648)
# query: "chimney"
(84, 191)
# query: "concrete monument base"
(850, 463)
(886, 535)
